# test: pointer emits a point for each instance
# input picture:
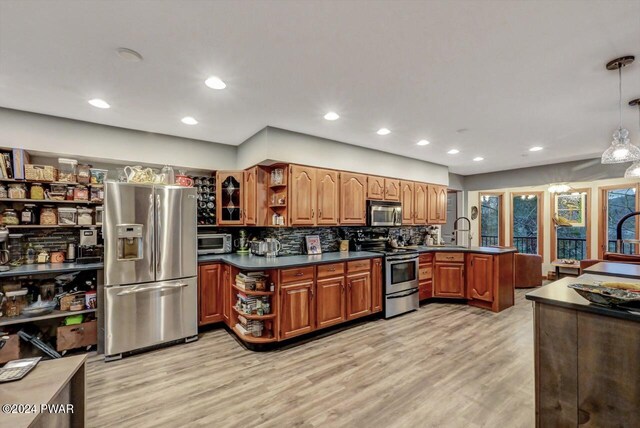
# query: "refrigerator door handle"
(151, 288)
(156, 236)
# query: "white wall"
(473, 199)
(72, 138)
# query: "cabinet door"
(391, 190)
(449, 280)
(303, 195)
(442, 204)
(229, 197)
(328, 197)
(406, 194)
(376, 285)
(425, 290)
(420, 201)
(250, 210)
(226, 294)
(432, 204)
(209, 292)
(358, 295)
(353, 191)
(330, 302)
(480, 277)
(297, 309)
(375, 188)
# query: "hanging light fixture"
(634, 170)
(560, 188)
(621, 149)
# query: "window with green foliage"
(490, 208)
(571, 221)
(525, 215)
(620, 202)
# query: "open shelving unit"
(269, 320)
(20, 319)
(277, 192)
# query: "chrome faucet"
(456, 230)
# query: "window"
(615, 203)
(491, 221)
(526, 222)
(570, 233)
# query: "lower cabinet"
(209, 287)
(297, 309)
(330, 302)
(376, 286)
(425, 277)
(490, 283)
(226, 294)
(449, 280)
(358, 295)
(480, 277)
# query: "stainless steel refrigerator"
(150, 269)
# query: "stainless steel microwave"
(380, 213)
(214, 243)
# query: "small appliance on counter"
(270, 247)
(214, 243)
(242, 243)
(89, 254)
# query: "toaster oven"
(214, 243)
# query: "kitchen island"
(586, 359)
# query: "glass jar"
(30, 254)
(10, 217)
(97, 194)
(17, 191)
(99, 175)
(48, 215)
(37, 191)
(81, 193)
(57, 192)
(85, 216)
(3, 192)
(67, 170)
(84, 174)
(67, 216)
(69, 196)
(28, 215)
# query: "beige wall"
(473, 199)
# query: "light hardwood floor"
(446, 365)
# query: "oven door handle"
(400, 259)
(414, 291)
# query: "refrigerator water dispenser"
(129, 242)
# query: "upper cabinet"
(302, 199)
(328, 199)
(391, 190)
(229, 195)
(406, 197)
(375, 187)
(420, 197)
(353, 195)
(437, 203)
(250, 190)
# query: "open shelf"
(66, 183)
(21, 319)
(48, 201)
(253, 292)
(253, 316)
(252, 339)
(50, 226)
(277, 206)
(277, 186)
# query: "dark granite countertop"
(46, 268)
(454, 249)
(624, 270)
(558, 294)
(251, 262)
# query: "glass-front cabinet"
(230, 197)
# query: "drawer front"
(76, 336)
(426, 258)
(425, 289)
(296, 274)
(425, 273)
(450, 257)
(359, 266)
(333, 269)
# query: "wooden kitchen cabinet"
(297, 309)
(437, 204)
(375, 188)
(353, 196)
(302, 195)
(358, 295)
(490, 282)
(406, 197)
(328, 197)
(442, 204)
(230, 197)
(391, 190)
(209, 294)
(330, 301)
(425, 276)
(376, 285)
(480, 277)
(420, 198)
(226, 293)
(250, 211)
(448, 280)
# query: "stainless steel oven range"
(401, 282)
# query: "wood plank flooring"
(446, 365)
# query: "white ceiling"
(513, 73)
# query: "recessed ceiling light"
(215, 83)
(129, 55)
(535, 149)
(97, 102)
(453, 151)
(332, 115)
(422, 142)
(188, 120)
(383, 131)
(478, 159)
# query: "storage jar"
(80, 193)
(4, 194)
(37, 192)
(84, 174)
(67, 170)
(48, 215)
(10, 217)
(57, 192)
(28, 215)
(67, 216)
(98, 176)
(17, 191)
(85, 216)
(97, 194)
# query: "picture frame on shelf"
(313, 244)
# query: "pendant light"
(634, 170)
(621, 149)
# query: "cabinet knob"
(312, 213)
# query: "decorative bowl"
(607, 296)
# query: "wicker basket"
(40, 172)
